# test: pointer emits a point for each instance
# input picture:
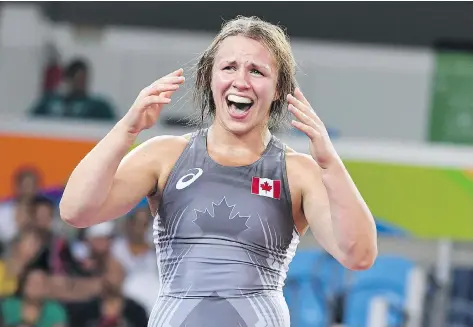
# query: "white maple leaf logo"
(221, 221)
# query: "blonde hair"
(275, 40)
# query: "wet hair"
(275, 40)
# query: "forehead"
(26, 177)
(242, 49)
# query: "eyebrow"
(251, 64)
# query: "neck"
(32, 302)
(109, 295)
(76, 94)
(254, 140)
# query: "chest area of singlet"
(207, 202)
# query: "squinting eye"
(229, 67)
(256, 71)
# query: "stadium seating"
(389, 277)
(315, 281)
(312, 284)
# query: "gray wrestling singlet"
(224, 238)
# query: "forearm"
(91, 181)
(75, 289)
(353, 224)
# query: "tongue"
(235, 111)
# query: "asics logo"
(191, 178)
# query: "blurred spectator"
(143, 287)
(23, 251)
(15, 213)
(53, 70)
(75, 102)
(133, 250)
(32, 308)
(111, 308)
(43, 211)
(80, 278)
(96, 250)
(55, 256)
(70, 280)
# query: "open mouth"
(239, 106)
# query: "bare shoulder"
(302, 170)
(162, 147)
(156, 154)
(303, 173)
(166, 142)
(167, 149)
(301, 162)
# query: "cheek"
(220, 82)
(266, 90)
(44, 215)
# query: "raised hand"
(321, 148)
(147, 107)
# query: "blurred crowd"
(66, 92)
(53, 275)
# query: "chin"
(239, 126)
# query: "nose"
(240, 82)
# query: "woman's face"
(36, 285)
(28, 245)
(244, 79)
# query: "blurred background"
(393, 82)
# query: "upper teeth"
(238, 99)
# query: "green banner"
(427, 202)
(451, 115)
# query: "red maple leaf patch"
(266, 187)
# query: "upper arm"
(138, 173)
(315, 205)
